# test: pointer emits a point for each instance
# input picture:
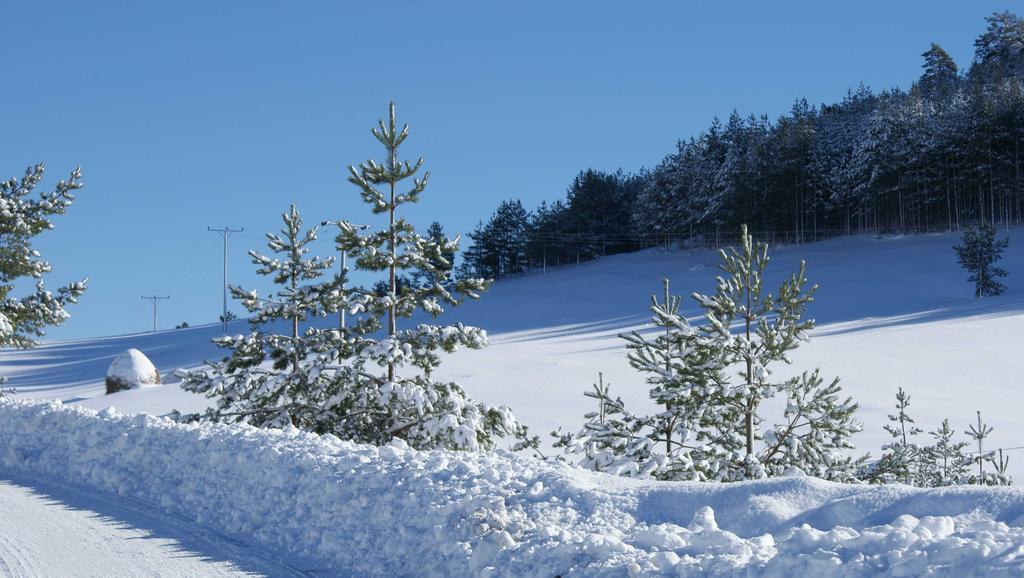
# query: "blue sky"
(185, 115)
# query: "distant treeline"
(943, 153)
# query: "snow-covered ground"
(51, 528)
(892, 312)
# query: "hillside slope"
(891, 312)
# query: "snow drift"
(366, 510)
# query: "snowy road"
(49, 529)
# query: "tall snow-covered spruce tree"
(388, 379)
(275, 380)
(24, 215)
(711, 424)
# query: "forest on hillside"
(944, 153)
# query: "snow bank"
(393, 511)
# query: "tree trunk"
(668, 370)
(749, 417)
(392, 325)
(295, 316)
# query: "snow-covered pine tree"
(385, 402)
(979, 432)
(294, 302)
(684, 368)
(444, 265)
(977, 253)
(997, 51)
(615, 441)
(692, 436)
(815, 432)
(500, 247)
(940, 75)
(294, 389)
(709, 427)
(818, 423)
(902, 457)
(23, 215)
(946, 463)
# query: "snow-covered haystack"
(391, 511)
(131, 370)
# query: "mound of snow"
(365, 510)
(131, 370)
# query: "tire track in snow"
(13, 559)
(54, 529)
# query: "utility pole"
(344, 269)
(225, 233)
(155, 299)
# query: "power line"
(155, 299)
(1005, 449)
(225, 233)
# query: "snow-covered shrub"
(947, 462)
(131, 370)
(902, 458)
(905, 461)
(711, 425)
(997, 476)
